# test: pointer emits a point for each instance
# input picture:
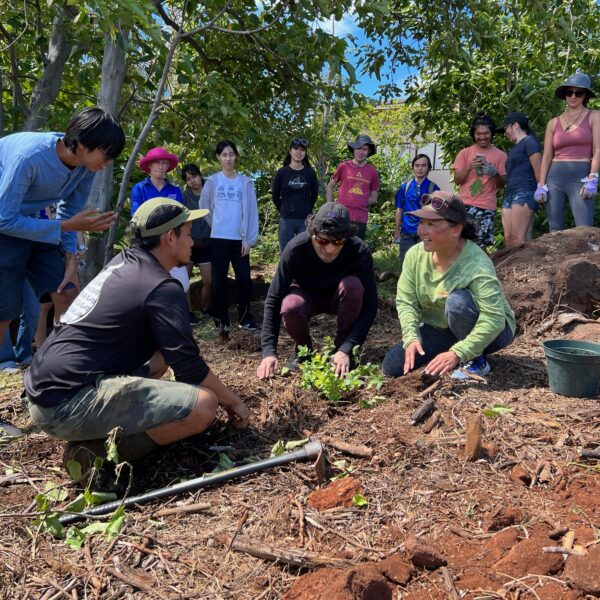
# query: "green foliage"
(359, 501)
(496, 410)
(317, 374)
(280, 447)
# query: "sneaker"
(223, 336)
(248, 326)
(194, 320)
(478, 367)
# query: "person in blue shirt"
(38, 169)
(157, 163)
(408, 198)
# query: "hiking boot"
(223, 336)
(9, 367)
(248, 325)
(478, 367)
(194, 320)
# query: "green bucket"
(573, 367)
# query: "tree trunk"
(48, 85)
(113, 74)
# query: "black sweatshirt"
(295, 192)
(300, 264)
(115, 325)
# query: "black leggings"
(223, 253)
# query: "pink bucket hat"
(157, 154)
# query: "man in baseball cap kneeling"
(101, 367)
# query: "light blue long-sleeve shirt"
(32, 177)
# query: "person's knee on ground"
(200, 418)
(393, 362)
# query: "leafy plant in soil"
(317, 373)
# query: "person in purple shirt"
(157, 163)
(38, 169)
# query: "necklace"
(569, 125)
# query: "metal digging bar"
(310, 451)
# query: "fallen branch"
(432, 422)
(134, 582)
(429, 390)
(352, 449)
(289, 556)
(560, 550)
(449, 584)
(421, 413)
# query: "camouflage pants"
(134, 403)
(484, 225)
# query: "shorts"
(484, 224)
(41, 264)
(201, 254)
(133, 403)
(520, 198)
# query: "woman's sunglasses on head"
(436, 202)
(323, 242)
(576, 93)
(300, 142)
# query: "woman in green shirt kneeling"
(451, 306)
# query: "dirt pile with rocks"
(557, 270)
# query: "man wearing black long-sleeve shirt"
(100, 367)
(323, 270)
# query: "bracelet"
(593, 176)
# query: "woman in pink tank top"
(571, 159)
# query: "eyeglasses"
(436, 202)
(576, 93)
(323, 242)
(300, 142)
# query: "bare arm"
(595, 125)
(548, 151)
(373, 197)
(330, 189)
(238, 412)
(398, 222)
(536, 161)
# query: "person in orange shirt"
(479, 171)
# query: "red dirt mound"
(561, 268)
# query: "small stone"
(339, 493)
(519, 475)
(396, 569)
(582, 572)
(424, 553)
(503, 517)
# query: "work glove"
(589, 187)
(541, 194)
(489, 169)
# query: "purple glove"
(541, 194)
(589, 187)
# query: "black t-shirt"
(129, 311)
(300, 264)
(295, 192)
(519, 172)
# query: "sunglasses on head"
(300, 142)
(436, 202)
(323, 242)
(576, 93)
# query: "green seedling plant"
(343, 467)
(359, 501)
(47, 519)
(281, 447)
(317, 373)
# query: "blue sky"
(368, 85)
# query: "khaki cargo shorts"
(133, 403)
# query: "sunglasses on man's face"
(323, 242)
(576, 93)
(300, 142)
(436, 202)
